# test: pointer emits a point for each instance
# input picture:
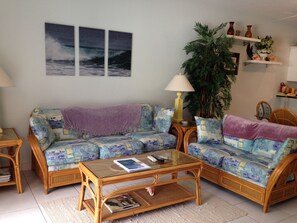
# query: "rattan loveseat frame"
(52, 179)
(278, 187)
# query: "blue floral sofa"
(57, 150)
(255, 159)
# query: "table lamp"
(4, 82)
(180, 84)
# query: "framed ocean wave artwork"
(119, 54)
(91, 51)
(59, 49)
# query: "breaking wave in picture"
(59, 57)
(119, 63)
(91, 61)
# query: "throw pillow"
(42, 131)
(162, 118)
(209, 130)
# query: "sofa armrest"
(176, 130)
(190, 136)
(279, 180)
(39, 155)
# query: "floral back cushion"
(42, 131)
(266, 147)
(146, 118)
(56, 121)
(162, 118)
(209, 130)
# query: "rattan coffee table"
(167, 190)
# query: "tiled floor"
(24, 207)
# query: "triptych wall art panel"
(91, 52)
(119, 54)
(60, 51)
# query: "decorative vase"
(249, 33)
(230, 31)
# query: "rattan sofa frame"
(52, 179)
(278, 188)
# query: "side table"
(10, 139)
(184, 129)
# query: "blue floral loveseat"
(255, 159)
(58, 148)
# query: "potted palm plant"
(264, 47)
(210, 70)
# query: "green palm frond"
(210, 71)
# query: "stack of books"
(121, 203)
(5, 175)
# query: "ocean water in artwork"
(59, 49)
(91, 52)
(119, 54)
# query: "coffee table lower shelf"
(165, 195)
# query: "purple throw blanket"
(248, 129)
(105, 121)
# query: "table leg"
(98, 205)
(18, 179)
(198, 188)
(82, 192)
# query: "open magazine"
(121, 203)
(132, 164)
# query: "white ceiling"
(283, 11)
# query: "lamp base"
(178, 114)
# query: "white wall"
(160, 28)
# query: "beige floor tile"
(32, 215)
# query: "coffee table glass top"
(107, 168)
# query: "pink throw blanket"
(105, 121)
(247, 129)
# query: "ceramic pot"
(249, 33)
(230, 31)
(263, 55)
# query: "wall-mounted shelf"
(245, 39)
(247, 62)
(282, 95)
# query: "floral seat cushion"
(70, 151)
(250, 167)
(154, 141)
(115, 146)
(213, 153)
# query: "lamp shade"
(179, 83)
(5, 81)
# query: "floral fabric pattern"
(115, 146)
(213, 154)
(288, 147)
(70, 151)
(42, 131)
(56, 121)
(242, 144)
(209, 130)
(62, 167)
(248, 168)
(162, 118)
(266, 147)
(146, 118)
(154, 141)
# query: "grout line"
(29, 186)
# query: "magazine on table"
(121, 203)
(132, 164)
